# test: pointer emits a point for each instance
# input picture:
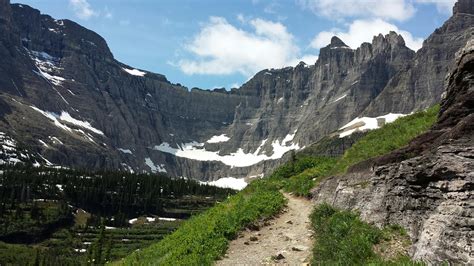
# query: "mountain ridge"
(139, 110)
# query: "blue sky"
(222, 43)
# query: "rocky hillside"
(426, 187)
(64, 95)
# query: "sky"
(223, 43)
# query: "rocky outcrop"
(427, 187)
(58, 79)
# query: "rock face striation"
(60, 85)
(427, 186)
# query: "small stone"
(278, 257)
(253, 238)
(246, 243)
(289, 222)
(254, 227)
(299, 248)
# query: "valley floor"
(289, 234)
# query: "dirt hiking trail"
(284, 240)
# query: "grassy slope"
(204, 238)
(388, 138)
(343, 239)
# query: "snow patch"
(56, 119)
(154, 167)
(217, 139)
(228, 182)
(134, 72)
(44, 144)
(367, 123)
(125, 150)
(47, 66)
(65, 116)
(55, 140)
(340, 98)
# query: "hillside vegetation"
(205, 237)
(70, 217)
(343, 239)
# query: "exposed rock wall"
(428, 186)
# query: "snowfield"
(217, 139)
(196, 151)
(228, 182)
(367, 123)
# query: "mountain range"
(65, 97)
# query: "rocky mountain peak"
(337, 43)
(336, 51)
(389, 41)
(464, 6)
(65, 37)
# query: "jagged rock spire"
(464, 6)
(336, 42)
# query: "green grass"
(388, 138)
(301, 174)
(204, 238)
(343, 239)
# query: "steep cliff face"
(59, 80)
(418, 85)
(427, 186)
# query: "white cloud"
(360, 31)
(82, 9)
(221, 48)
(340, 9)
(443, 6)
